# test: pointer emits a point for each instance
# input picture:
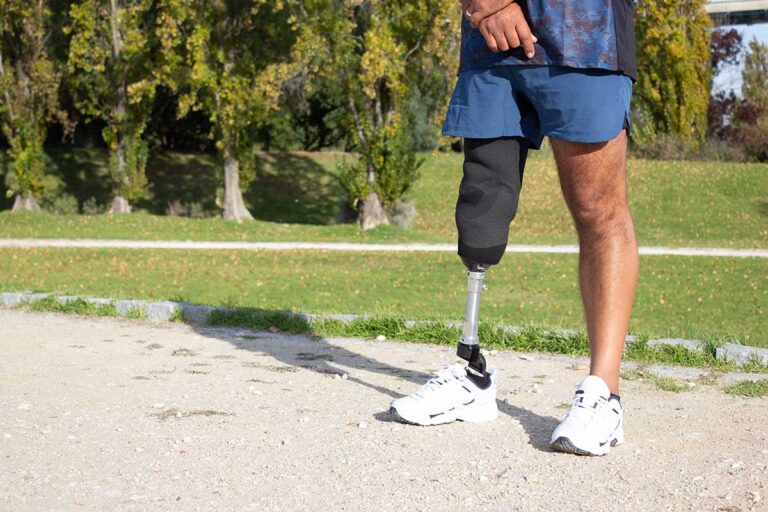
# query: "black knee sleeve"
(488, 197)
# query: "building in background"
(750, 18)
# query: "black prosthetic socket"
(488, 197)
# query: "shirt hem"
(559, 62)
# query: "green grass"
(715, 299)
(295, 197)
(78, 306)
(750, 389)
(663, 383)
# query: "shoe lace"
(442, 377)
(583, 412)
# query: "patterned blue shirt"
(577, 33)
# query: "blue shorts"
(570, 104)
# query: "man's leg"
(593, 181)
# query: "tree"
(726, 46)
(229, 58)
(754, 86)
(376, 53)
(113, 75)
(29, 87)
(674, 58)
(752, 114)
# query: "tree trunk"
(120, 205)
(372, 213)
(25, 203)
(234, 206)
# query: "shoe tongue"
(593, 385)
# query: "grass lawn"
(693, 297)
(295, 198)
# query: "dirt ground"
(105, 414)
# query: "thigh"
(592, 175)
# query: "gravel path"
(104, 414)
(32, 243)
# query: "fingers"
(490, 39)
(506, 30)
(512, 37)
(526, 38)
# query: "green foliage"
(73, 306)
(114, 66)
(755, 75)
(351, 173)
(63, 204)
(399, 169)
(378, 53)
(229, 59)
(396, 173)
(127, 169)
(672, 92)
(29, 86)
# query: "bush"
(92, 207)
(755, 140)
(63, 204)
(670, 147)
(396, 166)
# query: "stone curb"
(165, 311)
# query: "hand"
(508, 29)
(478, 10)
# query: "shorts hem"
(493, 135)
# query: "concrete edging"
(164, 311)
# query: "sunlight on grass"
(750, 389)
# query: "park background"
(318, 120)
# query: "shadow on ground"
(289, 187)
(316, 354)
(293, 188)
(762, 207)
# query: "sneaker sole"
(482, 414)
(564, 445)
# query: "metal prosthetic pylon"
(469, 345)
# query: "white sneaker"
(447, 397)
(593, 425)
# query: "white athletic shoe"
(447, 397)
(593, 425)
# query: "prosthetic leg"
(487, 204)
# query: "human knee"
(592, 204)
(488, 197)
(601, 216)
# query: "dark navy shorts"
(570, 104)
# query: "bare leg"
(593, 181)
